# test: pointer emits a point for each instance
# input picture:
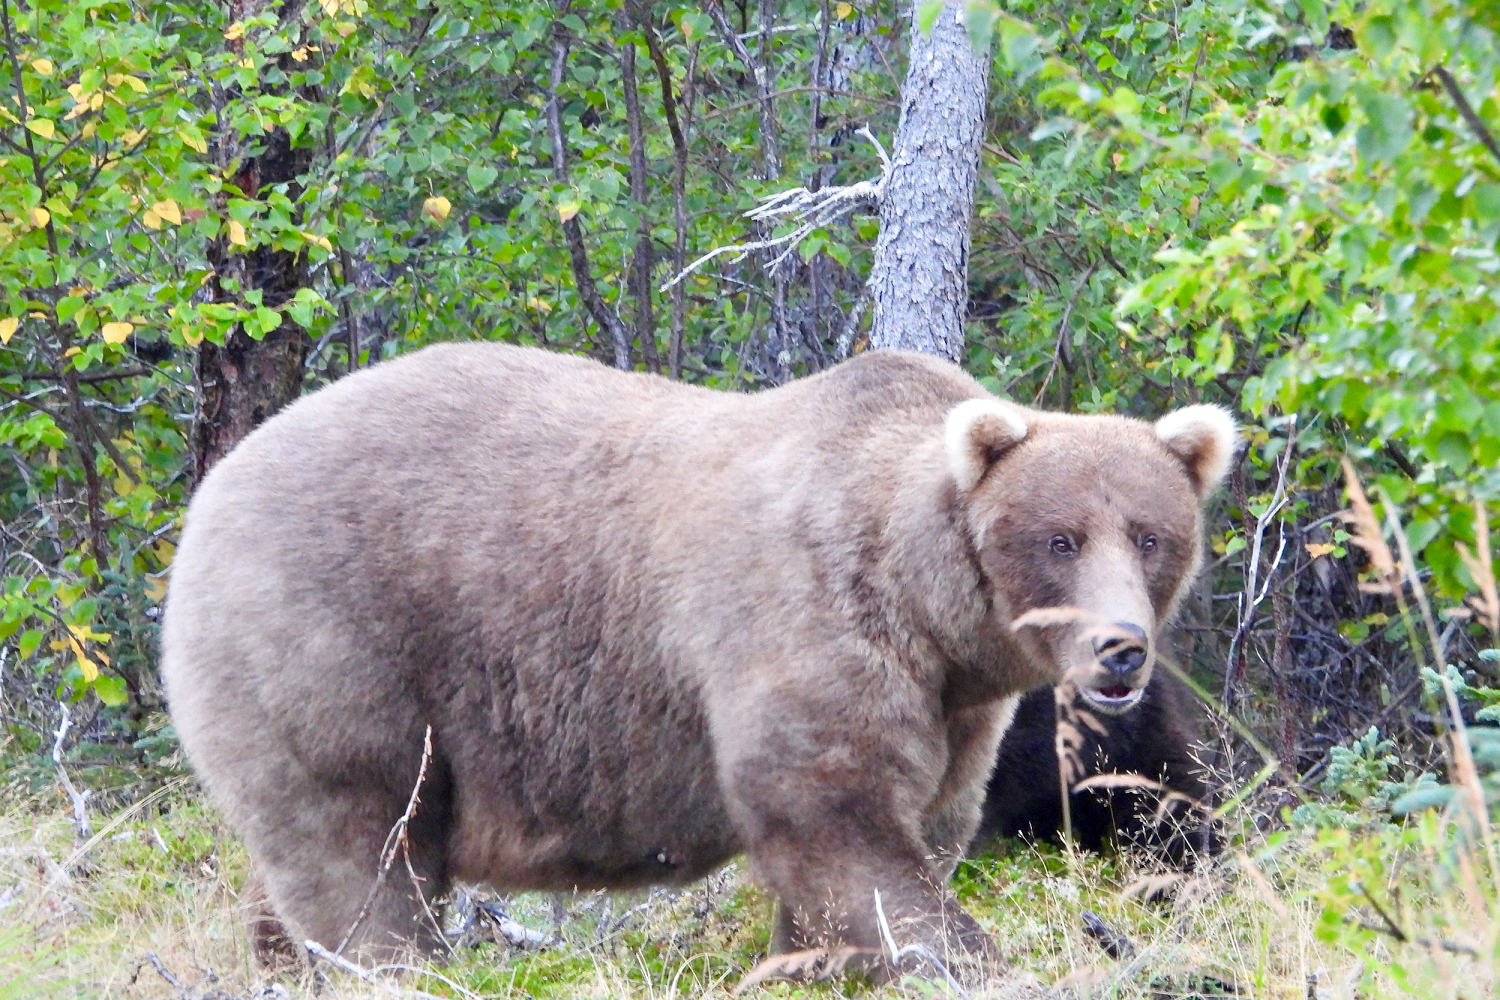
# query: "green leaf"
(1387, 127)
(481, 176)
(29, 641)
(111, 690)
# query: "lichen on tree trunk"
(919, 281)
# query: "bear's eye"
(1148, 544)
(1062, 545)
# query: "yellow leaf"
(8, 328)
(167, 209)
(317, 240)
(39, 216)
(842, 10)
(567, 210)
(437, 208)
(42, 66)
(151, 220)
(300, 53)
(164, 551)
(237, 233)
(235, 31)
(77, 636)
(132, 136)
(118, 80)
(42, 127)
(330, 7)
(156, 587)
(1316, 549)
(115, 333)
(192, 140)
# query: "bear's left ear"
(1203, 437)
(976, 433)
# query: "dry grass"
(147, 909)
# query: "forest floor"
(146, 907)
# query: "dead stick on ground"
(372, 976)
(79, 799)
(1389, 926)
(894, 955)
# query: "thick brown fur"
(1158, 740)
(651, 626)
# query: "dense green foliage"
(1292, 208)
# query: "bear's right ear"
(976, 433)
(1203, 437)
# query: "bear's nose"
(1123, 651)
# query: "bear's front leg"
(834, 826)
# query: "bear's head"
(1087, 531)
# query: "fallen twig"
(1115, 944)
(515, 934)
(79, 799)
(894, 954)
(1388, 926)
(373, 976)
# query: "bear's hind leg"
(344, 870)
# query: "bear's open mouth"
(1116, 698)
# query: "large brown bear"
(652, 626)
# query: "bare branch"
(641, 18)
(583, 276)
(396, 843)
(642, 258)
(372, 976)
(1466, 110)
(79, 799)
(811, 209)
(895, 955)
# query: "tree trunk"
(919, 281)
(245, 380)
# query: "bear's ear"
(976, 433)
(1203, 437)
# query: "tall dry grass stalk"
(1394, 575)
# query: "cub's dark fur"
(1157, 740)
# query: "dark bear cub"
(1157, 740)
